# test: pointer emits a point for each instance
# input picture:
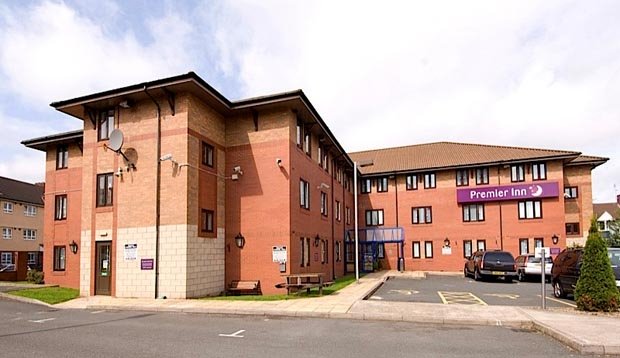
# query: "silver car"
(529, 266)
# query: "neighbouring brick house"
(21, 222)
(173, 190)
(605, 214)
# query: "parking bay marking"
(503, 295)
(41, 320)
(233, 335)
(449, 298)
(404, 292)
(560, 301)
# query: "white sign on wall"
(131, 252)
(278, 253)
(542, 250)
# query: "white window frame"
(7, 233)
(33, 256)
(6, 259)
(7, 207)
(30, 234)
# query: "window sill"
(104, 209)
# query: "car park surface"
(452, 289)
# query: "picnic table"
(299, 281)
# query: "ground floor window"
(6, 261)
(59, 258)
(381, 251)
(539, 242)
(415, 248)
(524, 246)
(337, 249)
(428, 249)
(482, 245)
(467, 246)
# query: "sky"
(543, 74)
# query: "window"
(429, 181)
(573, 228)
(348, 214)
(530, 209)
(474, 212)
(30, 210)
(304, 194)
(62, 157)
(207, 154)
(482, 176)
(7, 207)
(382, 184)
(326, 160)
(337, 209)
(374, 217)
(307, 252)
(412, 182)
(32, 258)
(517, 172)
(366, 186)
(337, 249)
(324, 258)
(302, 248)
(307, 146)
(428, 249)
(539, 171)
(381, 251)
(415, 249)
(571, 192)
(320, 155)
(467, 248)
(462, 177)
(104, 189)
(481, 245)
(106, 124)
(524, 246)
(61, 207)
(539, 242)
(300, 134)
(206, 220)
(421, 215)
(7, 233)
(30, 234)
(324, 204)
(6, 261)
(59, 258)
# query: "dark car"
(567, 268)
(497, 263)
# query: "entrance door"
(103, 273)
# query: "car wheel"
(477, 275)
(558, 291)
(521, 276)
(465, 272)
(508, 279)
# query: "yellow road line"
(460, 297)
(443, 299)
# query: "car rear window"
(536, 260)
(498, 256)
(614, 257)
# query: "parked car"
(496, 263)
(529, 265)
(567, 268)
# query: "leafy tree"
(596, 288)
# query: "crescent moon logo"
(536, 190)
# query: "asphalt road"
(36, 331)
(458, 289)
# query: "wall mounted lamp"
(555, 239)
(317, 239)
(446, 242)
(73, 246)
(240, 241)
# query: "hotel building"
(173, 190)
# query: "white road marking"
(503, 295)
(498, 322)
(95, 312)
(405, 292)
(234, 335)
(41, 320)
(16, 319)
(376, 298)
(560, 301)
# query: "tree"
(596, 288)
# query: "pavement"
(586, 333)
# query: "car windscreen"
(614, 257)
(498, 256)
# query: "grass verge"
(51, 295)
(339, 284)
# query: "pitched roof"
(41, 143)
(11, 189)
(612, 208)
(588, 159)
(445, 155)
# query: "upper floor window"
(304, 194)
(324, 203)
(106, 124)
(412, 181)
(307, 145)
(374, 217)
(337, 211)
(60, 207)
(30, 210)
(517, 172)
(573, 228)
(571, 192)
(348, 215)
(462, 177)
(207, 220)
(300, 134)
(539, 171)
(7, 207)
(429, 181)
(482, 176)
(422, 215)
(473, 212)
(382, 184)
(207, 154)
(366, 186)
(30, 234)
(62, 157)
(7, 233)
(104, 189)
(326, 160)
(530, 209)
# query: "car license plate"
(499, 273)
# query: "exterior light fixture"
(555, 239)
(317, 238)
(446, 242)
(73, 246)
(240, 241)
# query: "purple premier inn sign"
(508, 192)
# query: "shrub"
(596, 288)
(34, 276)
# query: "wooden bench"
(303, 281)
(244, 287)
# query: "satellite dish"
(116, 140)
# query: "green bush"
(596, 288)
(34, 276)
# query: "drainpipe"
(501, 228)
(157, 192)
(333, 200)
